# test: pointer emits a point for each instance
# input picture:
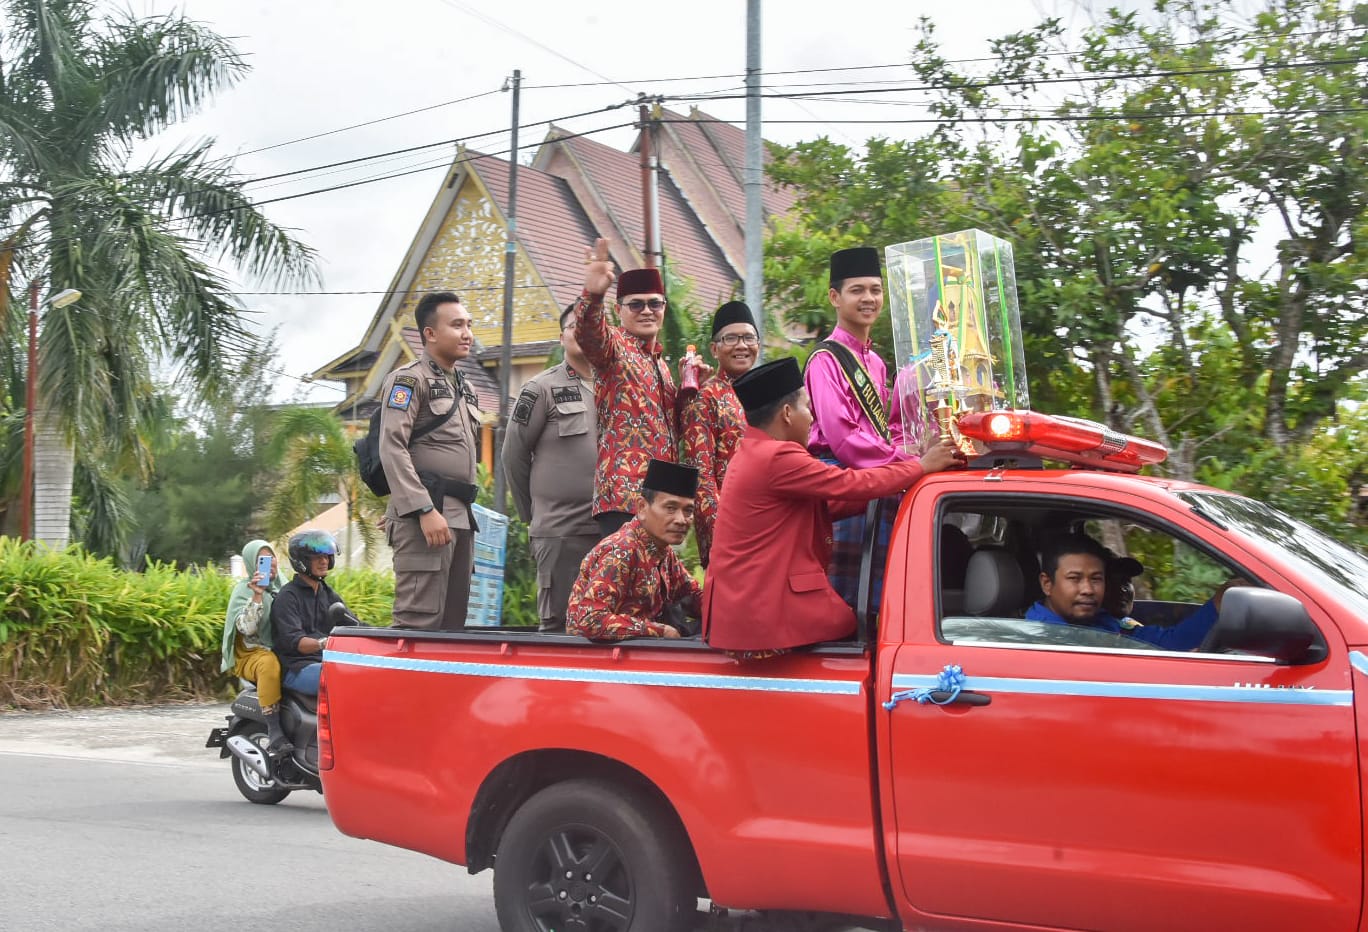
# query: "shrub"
(76, 630)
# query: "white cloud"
(319, 66)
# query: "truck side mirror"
(1273, 624)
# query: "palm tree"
(312, 453)
(141, 242)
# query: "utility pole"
(650, 196)
(755, 177)
(510, 258)
(26, 502)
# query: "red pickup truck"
(1056, 777)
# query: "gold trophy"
(948, 391)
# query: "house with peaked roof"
(574, 191)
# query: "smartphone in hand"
(264, 569)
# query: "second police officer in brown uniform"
(429, 522)
(549, 453)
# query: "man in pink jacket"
(848, 385)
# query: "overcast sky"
(321, 65)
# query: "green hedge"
(77, 631)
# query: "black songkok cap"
(860, 262)
(671, 478)
(733, 312)
(764, 385)
(1123, 567)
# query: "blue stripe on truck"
(1254, 693)
(769, 684)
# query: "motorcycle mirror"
(339, 614)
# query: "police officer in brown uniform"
(549, 453)
(429, 522)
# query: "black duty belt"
(442, 488)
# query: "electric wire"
(383, 119)
(1215, 41)
(1032, 82)
(489, 20)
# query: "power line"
(432, 145)
(353, 184)
(443, 163)
(1217, 41)
(489, 20)
(1072, 118)
(1077, 79)
(406, 291)
(384, 119)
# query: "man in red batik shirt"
(632, 579)
(713, 421)
(633, 392)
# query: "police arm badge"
(401, 395)
(527, 400)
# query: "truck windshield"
(1338, 568)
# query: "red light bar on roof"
(1061, 438)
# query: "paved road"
(122, 820)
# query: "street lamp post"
(26, 494)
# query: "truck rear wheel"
(596, 857)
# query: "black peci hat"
(764, 385)
(733, 312)
(859, 262)
(1124, 567)
(671, 478)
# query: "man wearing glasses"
(713, 421)
(634, 392)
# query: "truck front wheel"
(592, 856)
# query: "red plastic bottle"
(688, 375)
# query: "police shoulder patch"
(527, 400)
(401, 395)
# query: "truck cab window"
(1054, 575)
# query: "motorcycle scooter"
(260, 777)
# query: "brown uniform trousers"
(549, 451)
(431, 584)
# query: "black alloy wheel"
(585, 856)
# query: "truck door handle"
(963, 697)
(948, 690)
(938, 697)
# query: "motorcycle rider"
(299, 614)
(247, 639)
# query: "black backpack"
(367, 451)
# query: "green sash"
(861, 385)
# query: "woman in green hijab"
(247, 638)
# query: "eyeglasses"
(745, 339)
(637, 306)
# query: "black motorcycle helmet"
(309, 544)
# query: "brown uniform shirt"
(549, 452)
(415, 395)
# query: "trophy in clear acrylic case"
(956, 335)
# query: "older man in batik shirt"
(713, 420)
(632, 583)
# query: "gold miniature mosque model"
(956, 334)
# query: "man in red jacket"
(767, 589)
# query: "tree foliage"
(142, 242)
(211, 475)
(1185, 190)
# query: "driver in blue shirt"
(1073, 577)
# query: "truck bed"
(766, 764)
